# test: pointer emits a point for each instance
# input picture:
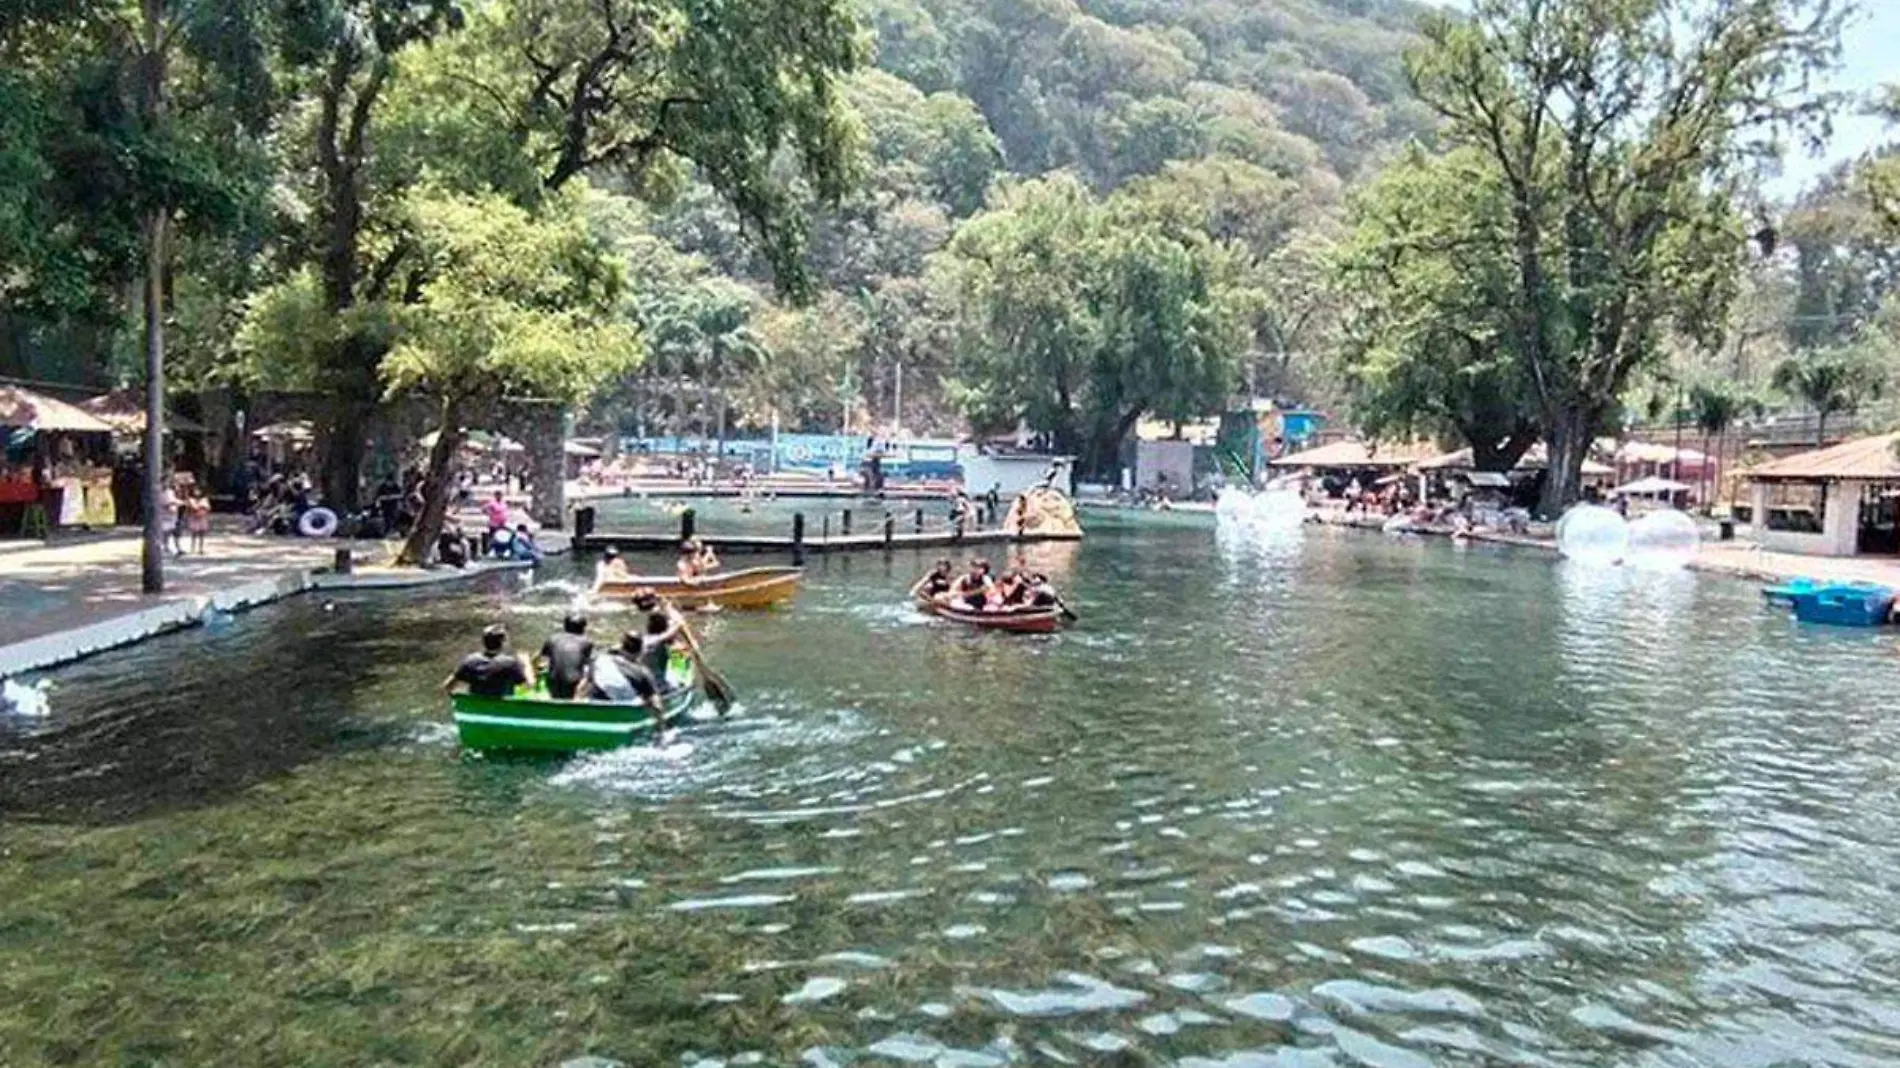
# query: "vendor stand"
(56, 470)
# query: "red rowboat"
(1013, 620)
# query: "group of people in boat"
(978, 589)
(573, 668)
(696, 562)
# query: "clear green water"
(1342, 801)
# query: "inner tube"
(317, 523)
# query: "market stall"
(57, 468)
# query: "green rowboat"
(539, 723)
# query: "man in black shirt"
(564, 657)
(491, 672)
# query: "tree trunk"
(152, 114)
(344, 451)
(1567, 434)
(435, 488)
(152, 557)
(1820, 427)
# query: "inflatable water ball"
(1231, 503)
(1663, 539)
(1592, 534)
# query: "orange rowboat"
(758, 587)
(1014, 620)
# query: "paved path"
(67, 585)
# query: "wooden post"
(844, 523)
(344, 562)
(583, 525)
(920, 520)
(798, 538)
(825, 525)
(890, 531)
(688, 519)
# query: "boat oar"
(1067, 615)
(711, 683)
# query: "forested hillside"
(1262, 111)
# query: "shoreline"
(1742, 560)
(170, 613)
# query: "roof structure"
(124, 409)
(22, 408)
(1535, 458)
(1352, 455)
(1651, 487)
(1647, 452)
(1869, 459)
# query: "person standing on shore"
(198, 519)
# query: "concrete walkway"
(68, 599)
(63, 586)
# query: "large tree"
(123, 118)
(508, 306)
(1423, 282)
(1616, 128)
(1080, 316)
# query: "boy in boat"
(1041, 593)
(1012, 592)
(972, 589)
(565, 656)
(697, 560)
(491, 672)
(618, 677)
(663, 625)
(936, 585)
(610, 569)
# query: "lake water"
(1328, 799)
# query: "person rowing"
(663, 626)
(565, 656)
(1041, 593)
(696, 561)
(493, 672)
(936, 585)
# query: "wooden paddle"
(711, 683)
(1067, 615)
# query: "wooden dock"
(836, 543)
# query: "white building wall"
(1840, 523)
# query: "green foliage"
(1079, 316)
(1616, 129)
(1424, 280)
(1838, 378)
(510, 305)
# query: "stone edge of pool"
(67, 646)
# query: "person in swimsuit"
(610, 569)
(936, 585)
(1012, 591)
(697, 560)
(972, 588)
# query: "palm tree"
(1715, 405)
(1835, 379)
